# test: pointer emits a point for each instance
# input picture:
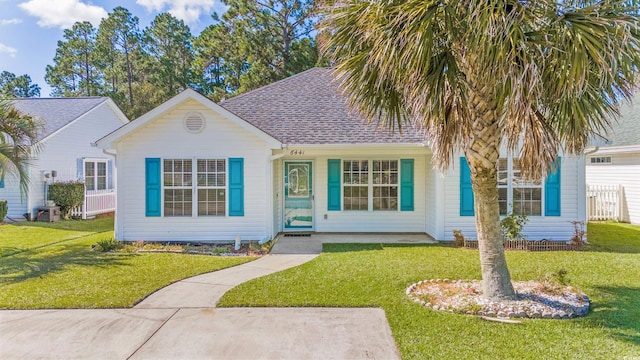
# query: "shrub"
(4, 209)
(108, 245)
(459, 238)
(578, 233)
(512, 226)
(67, 195)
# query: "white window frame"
(217, 174)
(195, 187)
(370, 186)
(512, 183)
(95, 176)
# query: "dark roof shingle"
(55, 113)
(308, 108)
(626, 131)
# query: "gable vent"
(194, 122)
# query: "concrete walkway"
(181, 321)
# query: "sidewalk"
(181, 321)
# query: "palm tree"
(18, 138)
(537, 76)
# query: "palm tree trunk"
(483, 152)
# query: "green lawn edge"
(377, 275)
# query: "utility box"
(48, 213)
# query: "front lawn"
(374, 275)
(45, 266)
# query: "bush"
(67, 195)
(459, 238)
(107, 245)
(512, 226)
(4, 209)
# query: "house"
(291, 157)
(615, 167)
(69, 125)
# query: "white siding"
(365, 221)
(430, 199)
(62, 152)
(624, 170)
(538, 227)
(11, 193)
(165, 137)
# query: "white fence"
(96, 202)
(604, 202)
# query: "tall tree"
(12, 86)
(18, 143)
(535, 76)
(271, 40)
(119, 41)
(167, 41)
(218, 61)
(74, 70)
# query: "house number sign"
(296, 152)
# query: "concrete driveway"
(197, 333)
(180, 321)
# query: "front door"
(298, 195)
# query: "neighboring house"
(69, 125)
(291, 157)
(617, 164)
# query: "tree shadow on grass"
(33, 264)
(619, 311)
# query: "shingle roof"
(627, 130)
(308, 108)
(56, 112)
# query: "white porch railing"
(604, 202)
(96, 202)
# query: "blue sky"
(30, 29)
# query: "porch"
(96, 202)
(311, 243)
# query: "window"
(368, 182)
(356, 184)
(95, 174)
(514, 194)
(212, 182)
(385, 185)
(597, 160)
(209, 189)
(178, 187)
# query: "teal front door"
(298, 195)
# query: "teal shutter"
(236, 186)
(552, 192)
(466, 190)
(1, 177)
(406, 185)
(153, 186)
(333, 181)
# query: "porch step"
(297, 245)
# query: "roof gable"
(309, 108)
(188, 94)
(56, 113)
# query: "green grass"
(23, 236)
(47, 266)
(374, 275)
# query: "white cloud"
(10, 21)
(187, 10)
(63, 13)
(4, 49)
